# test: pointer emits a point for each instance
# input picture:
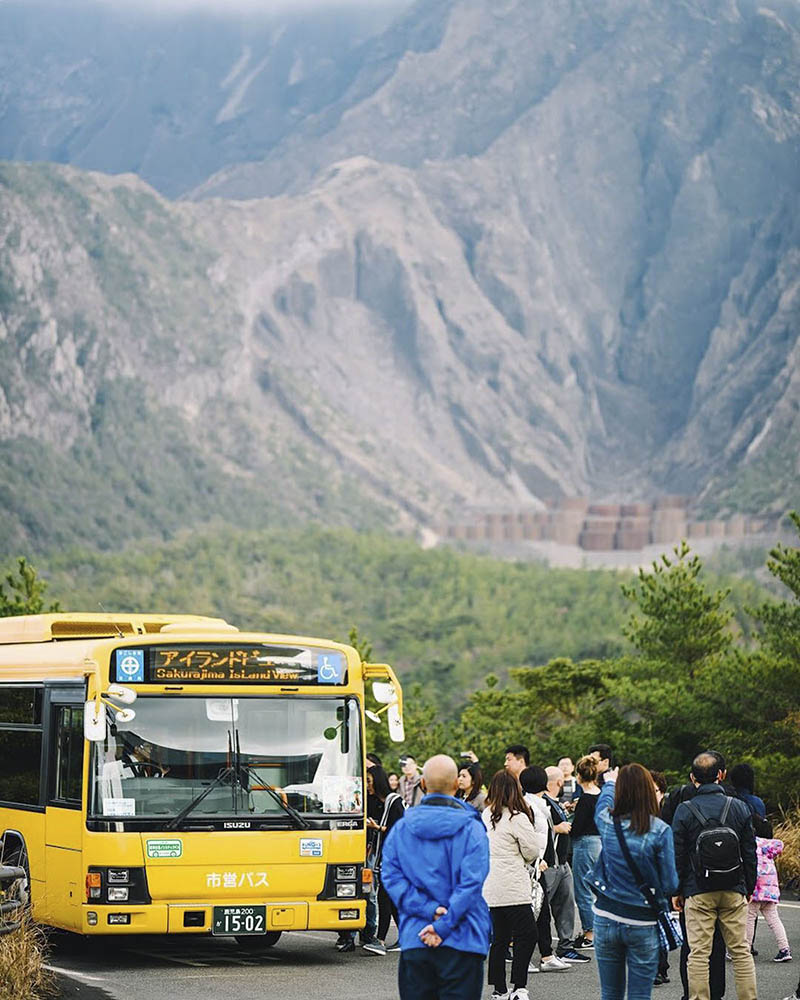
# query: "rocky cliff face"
(522, 250)
(167, 93)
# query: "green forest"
(491, 652)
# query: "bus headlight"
(346, 889)
(101, 887)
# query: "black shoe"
(573, 957)
(660, 979)
(344, 946)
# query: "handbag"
(668, 923)
(537, 889)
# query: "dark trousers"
(386, 910)
(544, 930)
(511, 923)
(716, 964)
(440, 974)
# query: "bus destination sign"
(223, 663)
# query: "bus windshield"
(254, 757)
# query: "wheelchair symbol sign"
(330, 668)
(130, 665)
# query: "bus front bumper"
(196, 918)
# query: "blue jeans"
(585, 851)
(622, 947)
(371, 929)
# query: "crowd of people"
(622, 870)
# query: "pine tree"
(23, 592)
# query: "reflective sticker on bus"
(164, 848)
(310, 847)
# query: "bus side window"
(68, 770)
(20, 744)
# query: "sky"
(221, 6)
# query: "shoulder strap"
(390, 800)
(641, 885)
(696, 812)
(704, 819)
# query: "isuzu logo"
(239, 825)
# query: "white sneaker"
(533, 968)
(499, 996)
(554, 964)
(521, 994)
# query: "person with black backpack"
(716, 961)
(715, 854)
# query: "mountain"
(171, 95)
(514, 251)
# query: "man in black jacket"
(709, 898)
(716, 963)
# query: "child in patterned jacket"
(766, 895)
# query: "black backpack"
(717, 851)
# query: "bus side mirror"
(383, 692)
(94, 721)
(397, 733)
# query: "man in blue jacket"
(435, 861)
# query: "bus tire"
(14, 852)
(258, 942)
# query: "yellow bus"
(168, 774)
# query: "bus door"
(64, 813)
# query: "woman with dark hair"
(534, 784)
(585, 846)
(625, 929)
(514, 843)
(470, 781)
(387, 806)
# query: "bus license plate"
(239, 920)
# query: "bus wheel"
(258, 942)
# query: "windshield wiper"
(226, 772)
(301, 823)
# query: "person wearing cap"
(410, 783)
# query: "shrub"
(788, 830)
(23, 975)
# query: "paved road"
(307, 967)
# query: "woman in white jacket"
(514, 843)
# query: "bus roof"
(51, 627)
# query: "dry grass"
(22, 957)
(788, 830)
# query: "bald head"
(440, 775)
(555, 780)
(708, 768)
